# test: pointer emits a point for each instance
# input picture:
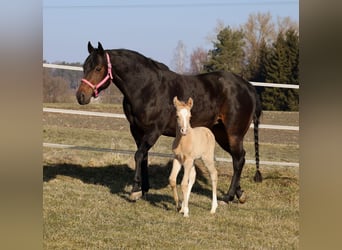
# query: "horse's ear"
(190, 102)
(100, 48)
(90, 48)
(175, 101)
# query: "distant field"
(85, 193)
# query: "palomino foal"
(190, 144)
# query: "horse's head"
(183, 113)
(97, 74)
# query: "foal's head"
(183, 114)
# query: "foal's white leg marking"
(188, 164)
(210, 164)
(192, 178)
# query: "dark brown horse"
(225, 103)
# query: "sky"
(150, 27)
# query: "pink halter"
(109, 75)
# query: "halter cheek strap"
(97, 86)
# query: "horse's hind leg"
(210, 164)
(233, 145)
(176, 166)
(238, 155)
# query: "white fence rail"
(113, 115)
(263, 84)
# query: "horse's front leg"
(141, 181)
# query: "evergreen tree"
(281, 66)
(228, 52)
(259, 73)
(292, 42)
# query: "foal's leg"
(188, 165)
(192, 178)
(210, 164)
(176, 166)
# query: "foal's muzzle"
(183, 131)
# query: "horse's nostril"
(80, 97)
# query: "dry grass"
(85, 203)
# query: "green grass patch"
(86, 207)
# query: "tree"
(198, 58)
(71, 76)
(258, 31)
(281, 66)
(228, 52)
(180, 58)
(55, 89)
(285, 24)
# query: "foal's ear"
(90, 47)
(175, 101)
(100, 48)
(190, 102)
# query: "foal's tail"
(256, 121)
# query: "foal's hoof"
(134, 196)
(178, 209)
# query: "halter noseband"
(109, 75)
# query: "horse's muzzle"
(82, 99)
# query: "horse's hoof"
(134, 196)
(228, 198)
(242, 198)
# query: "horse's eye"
(98, 68)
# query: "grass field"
(85, 193)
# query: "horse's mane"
(158, 65)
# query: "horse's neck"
(130, 74)
(122, 72)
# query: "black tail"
(256, 121)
